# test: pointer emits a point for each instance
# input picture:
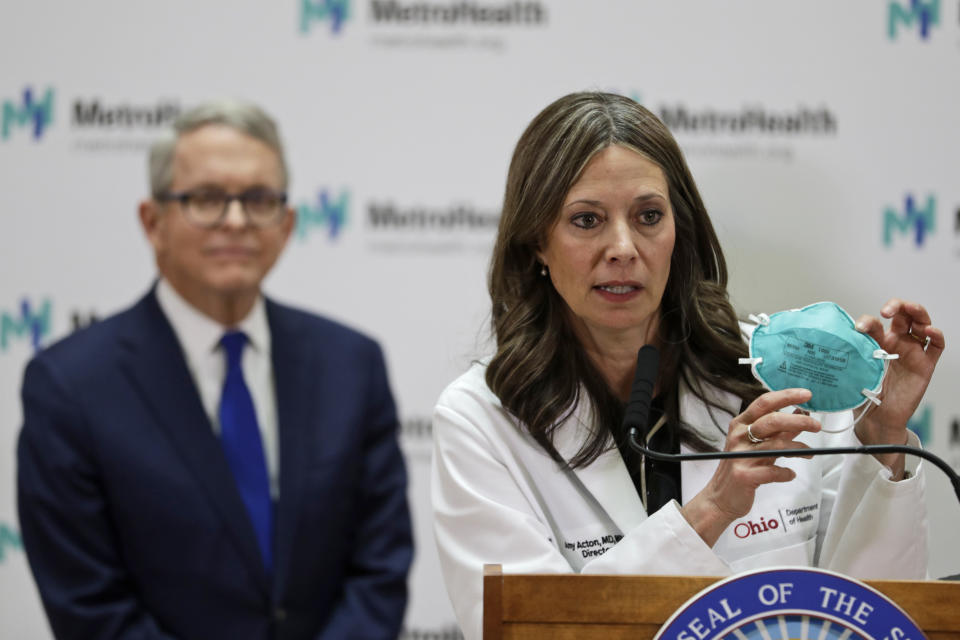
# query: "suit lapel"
(155, 363)
(295, 378)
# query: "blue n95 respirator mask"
(818, 348)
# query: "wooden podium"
(587, 607)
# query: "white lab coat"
(498, 497)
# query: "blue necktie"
(240, 437)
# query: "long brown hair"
(540, 368)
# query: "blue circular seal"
(790, 604)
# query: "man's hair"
(245, 117)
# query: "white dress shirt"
(199, 337)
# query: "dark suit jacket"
(131, 520)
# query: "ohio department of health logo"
(792, 604)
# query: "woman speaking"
(604, 246)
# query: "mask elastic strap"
(874, 401)
(867, 408)
(874, 396)
(760, 319)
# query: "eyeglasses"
(208, 207)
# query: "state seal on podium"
(790, 604)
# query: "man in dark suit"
(209, 463)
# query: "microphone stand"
(635, 418)
(871, 449)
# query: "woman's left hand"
(918, 345)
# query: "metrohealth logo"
(31, 111)
(919, 221)
(327, 212)
(28, 321)
(9, 539)
(924, 13)
(336, 11)
(921, 423)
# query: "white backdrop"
(807, 126)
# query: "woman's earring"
(543, 269)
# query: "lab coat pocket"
(799, 554)
(777, 527)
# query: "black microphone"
(638, 409)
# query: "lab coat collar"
(607, 478)
(697, 413)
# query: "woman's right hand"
(730, 492)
